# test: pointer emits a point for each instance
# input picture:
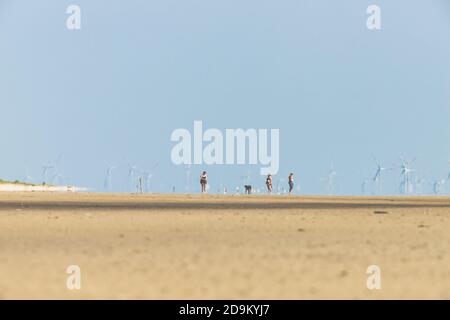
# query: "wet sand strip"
(197, 205)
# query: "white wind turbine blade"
(377, 175)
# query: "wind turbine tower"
(406, 185)
(132, 178)
(330, 180)
(378, 177)
(108, 178)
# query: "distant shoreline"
(111, 201)
(23, 187)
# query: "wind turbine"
(108, 178)
(51, 167)
(147, 176)
(439, 186)
(45, 170)
(330, 180)
(54, 168)
(406, 172)
(131, 177)
(56, 165)
(378, 177)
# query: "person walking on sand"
(203, 181)
(269, 183)
(291, 183)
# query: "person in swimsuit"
(203, 181)
(291, 183)
(269, 183)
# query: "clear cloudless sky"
(112, 92)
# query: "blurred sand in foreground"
(222, 247)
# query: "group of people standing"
(269, 182)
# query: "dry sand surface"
(222, 247)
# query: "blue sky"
(112, 92)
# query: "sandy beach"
(222, 247)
